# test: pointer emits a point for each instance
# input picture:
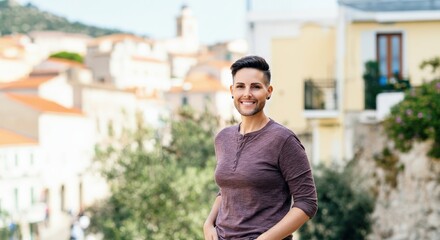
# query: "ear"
(230, 89)
(269, 91)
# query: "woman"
(266, 186)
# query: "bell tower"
(187, 26)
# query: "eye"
(256, 86)
(239, 86)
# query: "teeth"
(247, 103)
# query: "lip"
(247, 102)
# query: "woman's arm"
(293, 220)
(209, 230)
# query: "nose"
(247, 92)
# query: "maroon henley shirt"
(258, 175)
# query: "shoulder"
(226, 133)
(279, 131)
(284, 134)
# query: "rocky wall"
(406, 186)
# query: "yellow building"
(318, 68)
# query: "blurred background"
(108, 111)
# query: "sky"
(219, 20)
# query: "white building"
(202, 91)
(267, 21)
(50, 86)
(73, 71)
(50, 42)
(66, 139)
(127, 61)
(112, 110)
(219, 69)
(18, 55)
(229, 50)
(21, 185)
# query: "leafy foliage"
(416, 118)
(434, 63)
(23, 19)
(201, 129)
(8, 229)
(389, 162)
(344, 209)
(158, 192)
(373, 86)
(69, 56)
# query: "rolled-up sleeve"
(297, 172)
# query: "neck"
(253, 123)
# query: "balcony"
(320, 98)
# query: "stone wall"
(410, 209)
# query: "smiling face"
(250, 90)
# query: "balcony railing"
(320, 98)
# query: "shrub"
(344, 209)
(373, 86)
(416, 119)
(69, 56)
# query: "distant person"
(46, 216)
(76, 231)
(261, 167)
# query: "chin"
(249, 113)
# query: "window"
(63, 198)
(31, 159)
(16, 204)
(184, 101)
(32, 195)
(206, 101)
(16, 159)
(4, 160)
(389, 56)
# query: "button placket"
(241, 142)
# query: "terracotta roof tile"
(19, 50)
(118, 38)
(141, 93)
(45, 72)
(220, 64)
(67, 62)
(10, 42)
(42, 104)
(199, 82)
(187, 55)
(148, 59)
(11, 138)
(27, 83)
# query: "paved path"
(59, 228)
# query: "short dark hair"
(251, 62)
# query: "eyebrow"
(254, 83)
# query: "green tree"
(193, 150)
(344, 209)
(15, 18)
(69, 56)
(158, 192)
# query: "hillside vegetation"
(15, 18)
